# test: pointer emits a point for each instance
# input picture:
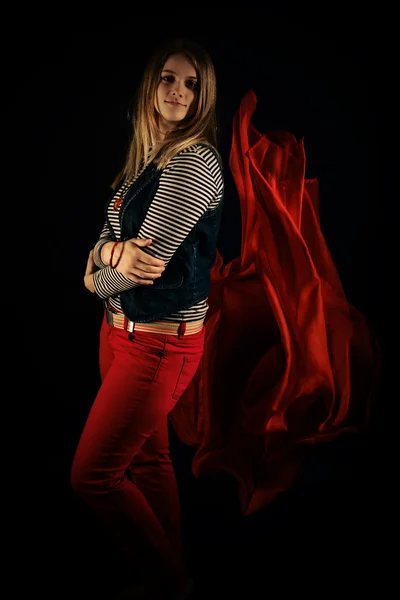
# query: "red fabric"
(287, 360)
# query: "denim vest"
(186, 279)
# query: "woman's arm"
(102, 248)
(187, 186)
(90, 269)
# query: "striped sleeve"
(188, 186)
(105, 237)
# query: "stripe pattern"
(190, 184)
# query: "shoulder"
(199, 155)
(205, 152)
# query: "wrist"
(115, 253)
(105, 252)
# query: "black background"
(326, 76)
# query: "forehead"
(181, 65)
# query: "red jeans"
(122, 467)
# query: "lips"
(175, 103)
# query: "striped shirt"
(191, 183)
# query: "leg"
(135, 397)
(151, 468)
(153, 473)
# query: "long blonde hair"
(201, 126)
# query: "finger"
(144, 257)
(144, 274)
(140, 280)
(151, 260)
(141, 241)
(148, 268)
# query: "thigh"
(155, 450)
(127, 408)
(145, 378)
(187, 370)
(182, 361)
(188, 352)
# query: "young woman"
(151, 266)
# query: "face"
(176, 92)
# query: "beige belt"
(121, 322)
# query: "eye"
(168, 78)
(192, 85)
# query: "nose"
(179, 89)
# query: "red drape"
(288, 360)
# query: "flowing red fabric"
(288, 361)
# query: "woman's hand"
(90, 269)
(132, 262)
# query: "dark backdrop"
(325, 78)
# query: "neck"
(163, 129)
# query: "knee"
(88, 480)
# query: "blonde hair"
(201, 126)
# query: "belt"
(121, 322)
